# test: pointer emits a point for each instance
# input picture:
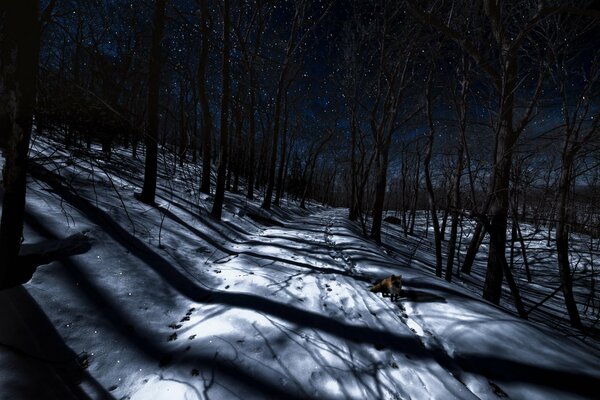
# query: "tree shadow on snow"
(39, 354)
(207, 238)
(514, 372)
(419, 296)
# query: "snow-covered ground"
(541, 296)
(170, 304)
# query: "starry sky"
(120, 30)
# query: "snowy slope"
(170, 304)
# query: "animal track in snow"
(176, 326)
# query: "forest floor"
(171, 304)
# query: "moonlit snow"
(171, 304)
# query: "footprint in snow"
(176, 326)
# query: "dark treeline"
(481, 111)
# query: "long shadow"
(405, 344)
(228, 251)
(423, 284)
(144, 341)
(59, 364)
(194, 292)
(503, 370)
(418, 296)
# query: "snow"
(171, 304)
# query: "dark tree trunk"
(523, 247)
(417, 181)
(354, 207)
(224, 141)
(476, 239)
(19, 54)
(251, 143)
(275, 141)
(455, 206)
(492, 289)
(184, 141)
(437, 235)
(500, 181)
(462, 107)
(195, 133)
(562, 237)
(151, 164)
(311, 164)
(238, 156)
(380, 186)
(205, 29)
(282, 161)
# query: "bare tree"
(150, 172)
(392, 65)
(217, 208)
(205, 33)
(304, 21)
(250, 40)
(19, 52)
(501, 66)
(460, 98)
(581, 126)
(437, 234)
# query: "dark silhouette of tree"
(205, 34)
(154, 67)
(581, 127)
(501, 64)
(225, 99)
(304, 21)
(19, 53)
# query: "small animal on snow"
(390, 286)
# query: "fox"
(390, 286)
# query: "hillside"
(170, 304)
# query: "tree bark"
(224, 141)
(151, 165)
(275, 139)
(455, 206)
(205, 29)
(19, 54)
(251, 143)
(380, 186)
(354, 210)
(562, 238)
(282, 161)
(461, 109)
(428, 184)
(476, 239)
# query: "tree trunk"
(432, 208)
(151, 164)
(205, 29)
(19, 54)
(251, 143)
(354, 207)
(492, 289)
(380, 186)
(562, 238)
(224, 141)
(282, 161)
(417, 184)
(239, 153)
(455, 206)
(428, 184)
(275, 140)
(184, 141)
(500, 181)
